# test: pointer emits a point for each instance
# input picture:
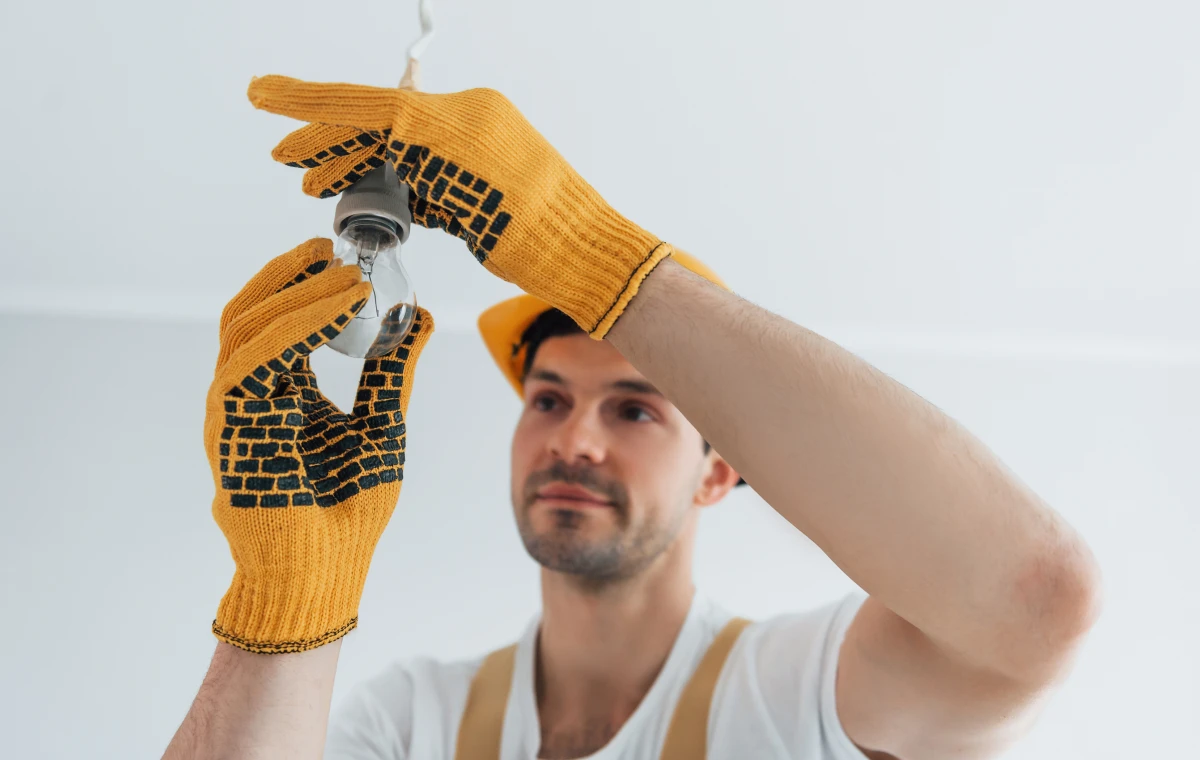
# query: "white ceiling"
(1020, 174)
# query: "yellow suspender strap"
(483, 719)
(687, 738)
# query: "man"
(635, 368)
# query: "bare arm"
(259, 706)
(979, 590)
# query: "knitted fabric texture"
(303, 491)
(478, 170)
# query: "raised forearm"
(259, 706)
(909, 504)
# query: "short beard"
(596, 565)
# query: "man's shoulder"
(800, 640)
(425, 674)
(410, 697)
(796, 629)
(778, 684)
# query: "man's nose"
(580, 437)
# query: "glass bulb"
(373, 243)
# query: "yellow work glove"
(478, 170)
(303, 491)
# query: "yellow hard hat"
(503, 324)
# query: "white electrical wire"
(426, 14)
(412, 71)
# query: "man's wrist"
(652, 299)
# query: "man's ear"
(719, 480)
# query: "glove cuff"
(589, 260)
(288, 615)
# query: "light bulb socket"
(378, 193)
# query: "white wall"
(996, 203)
(1028, 166)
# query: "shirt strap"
(482, 724)
(687, 738)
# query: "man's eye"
(635, 413)
(544, 403)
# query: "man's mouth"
(575, 495)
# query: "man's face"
(605, 469)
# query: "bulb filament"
(366, 263)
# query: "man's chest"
(578, 739)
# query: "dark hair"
(551, 323)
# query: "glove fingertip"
(315, 186)
(283, 153)
(424, 321)
(319, 248)
(357, 296)
(283, 271)
(300, 330)
(340, 278)
(258, 91)
(305, 261)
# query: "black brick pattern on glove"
(285, 444)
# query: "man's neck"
(599, 652)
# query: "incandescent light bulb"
(371, 221)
